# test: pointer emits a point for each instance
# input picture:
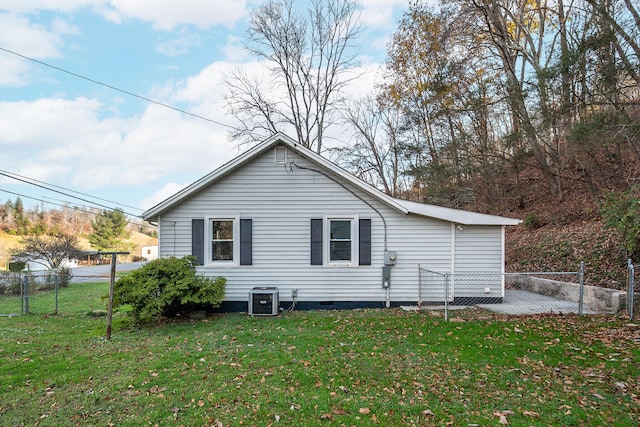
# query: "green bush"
(166, 288)
(17, 266)
(532, 221)
(621, 212)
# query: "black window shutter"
(246, 242)
(364, 243)
(197, 240)
(316, 242)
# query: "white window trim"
(208, 239)
(326, 241)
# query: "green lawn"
(363, 367)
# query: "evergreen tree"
(109, 231)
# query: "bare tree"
(311, 55)
(376, 156)
(49, 250)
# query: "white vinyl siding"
(281, 200)
(479, 264)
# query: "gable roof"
(406, 207)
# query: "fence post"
(55, 285)
(581, 282)
(631, 281)
(446, 296)
(25, 293)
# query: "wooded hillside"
(520, 108)
(16, 221)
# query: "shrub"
(532, 221)
(167, 287)
(621, 212)
(17, 266)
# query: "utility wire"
(63, 193)
(65, 206)
(135, 95)
(68, 189)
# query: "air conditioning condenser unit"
(263, 301)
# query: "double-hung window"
(341, 241)
(223, 240)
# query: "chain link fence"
(562, 292)
(11, 294)
(34, 292)
(48, 293)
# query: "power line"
(65, 206)
(135, 95)
(63, 193)
(69, 189)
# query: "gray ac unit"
(263, 301)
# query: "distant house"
(41, 264)
(282, 216)
(149, 253)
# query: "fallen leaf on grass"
(503, 417)
(364, 411)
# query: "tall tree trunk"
(499, 35)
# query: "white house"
(282, 216)
(149, 252)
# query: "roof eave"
(153, 213)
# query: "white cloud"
(179, 44)
(169, 14)
(60, 26)
(59, 140)
(162, 194)
(33, 6)
(382, 14)
(234, 51)
(26, 38)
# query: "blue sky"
(66, 131)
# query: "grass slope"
(362, 367)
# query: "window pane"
(222, 240)
(340, 251)
(222, 230)
(340, 230)
(340, 240)
(222, 250)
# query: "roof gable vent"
(280, 155)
